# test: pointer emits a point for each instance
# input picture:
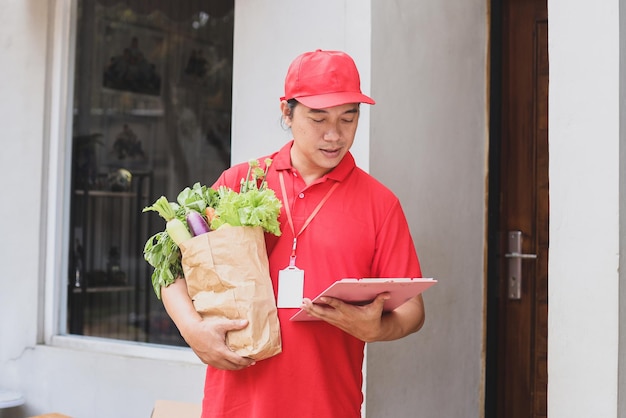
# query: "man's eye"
(348, 120)
(317, 120)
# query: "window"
(152, 111)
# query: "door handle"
(514, 264)
(518, 255)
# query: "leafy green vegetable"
(255, 205)
(197, 198)
(175, 228)
(162, 253)
(164, 208)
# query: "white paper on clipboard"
(363, 291)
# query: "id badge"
(290, 287)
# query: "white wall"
(429, 144)
(21, 110)
(621, 353)
(584, 209)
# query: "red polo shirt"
(360, 231)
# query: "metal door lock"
(515, 257)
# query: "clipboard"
(364, 291)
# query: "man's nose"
(332, 134)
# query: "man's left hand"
(361, 321)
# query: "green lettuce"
(254, 205)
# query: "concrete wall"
(425, 138)
(585, 208)
(21, 158)
(429, 144)
(621, 353)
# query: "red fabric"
(361, 231)
(321, 79)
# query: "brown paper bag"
(227, 274)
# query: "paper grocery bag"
(227, 274)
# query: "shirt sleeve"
(233, 176)
(395, 254)
(230, 178)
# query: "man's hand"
(368, 322)
(363, 322)
(207, 338)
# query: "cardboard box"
(175, 409)
(53, 415)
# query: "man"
(337, 221)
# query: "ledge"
(126, 348)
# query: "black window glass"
(151, 115)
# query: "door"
(518, 261)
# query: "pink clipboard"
(363, 291)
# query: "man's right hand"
(205, 336)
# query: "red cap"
(322, 79)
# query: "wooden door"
(518, 328)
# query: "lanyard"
(292, 259)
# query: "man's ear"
(285, 110)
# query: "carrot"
(210, 213)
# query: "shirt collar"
(282, 161)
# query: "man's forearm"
(406, 319)
(178, 304)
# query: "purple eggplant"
(197, 224)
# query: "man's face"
(322, 137)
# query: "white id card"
(290, 287)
